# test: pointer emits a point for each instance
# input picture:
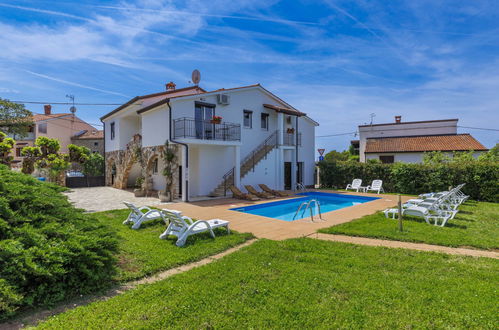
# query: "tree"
(94, 165)
(335, 156)
(435, 157)
(45, 155)
(6, 145)
(15, 119)
(491, 156)
(463, 156)
(169, 156)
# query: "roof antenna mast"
(372, 115)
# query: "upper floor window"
(248, 119)
(112, 131)
(265, 121)
(42, 128)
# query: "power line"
(485, 129)
(65, 103)
(321, 136)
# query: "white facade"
(409, 157)
(213, 152)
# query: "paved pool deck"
(263, 227)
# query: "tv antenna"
(372, 115)
(196, 77)
(71, 97)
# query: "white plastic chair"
(355, 185)
(137, 215)
(182, 226)
(376, 185)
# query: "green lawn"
(143, 253)
(476, 225)
(307, 283)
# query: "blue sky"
(338, 61)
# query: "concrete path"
(405, 245)
(96, 199)
(33, 318)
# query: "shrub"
(481, 178)
(48, 249)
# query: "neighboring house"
(260, 139)
(408, 141)
(92, 139)
(60, 126)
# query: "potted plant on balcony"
(216, 120)
(138, 191)
(290, 130)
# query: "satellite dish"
(72, 109)
(196, 76)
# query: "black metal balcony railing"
(205, 130)
(289, 139)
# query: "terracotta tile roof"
(457, 142)
(175, 93)
(288, 111)
(41, 117)
(89, 135)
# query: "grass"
(476, 225)
(142, 253)
(307, 283)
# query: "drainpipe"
(186, 167)
(105, 159)
(296, 150)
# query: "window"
(96, 144)
(265, 121)
(42, 128)
(18, 151)
(155, 166)
(386, 159)
(248, 119)
(112, 131)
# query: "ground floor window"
(386, 159)
(299, 173)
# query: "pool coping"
(270, 228)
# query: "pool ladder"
(309, 205)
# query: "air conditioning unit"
(223, 99)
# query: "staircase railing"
(228, 179)
(271, 141)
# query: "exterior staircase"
(248, 164)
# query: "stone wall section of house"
(119, 164)
(90, 144)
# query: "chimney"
(170, 87)
(398, 119)
(48, 109)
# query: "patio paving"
(263, 227)
(96, 199)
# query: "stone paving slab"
(96, 199)
(405, 245)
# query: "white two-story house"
(258, 139)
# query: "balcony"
(189, 128)
(289, 139)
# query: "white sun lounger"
(427, 211)
(137, 215)
(182, 226)
(355, 185)
(376, 185)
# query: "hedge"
(48, 249)
(481, 178)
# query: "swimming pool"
(285, 210)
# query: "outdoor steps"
(246, 167)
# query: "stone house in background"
(92, 139)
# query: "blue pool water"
(285, 210)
